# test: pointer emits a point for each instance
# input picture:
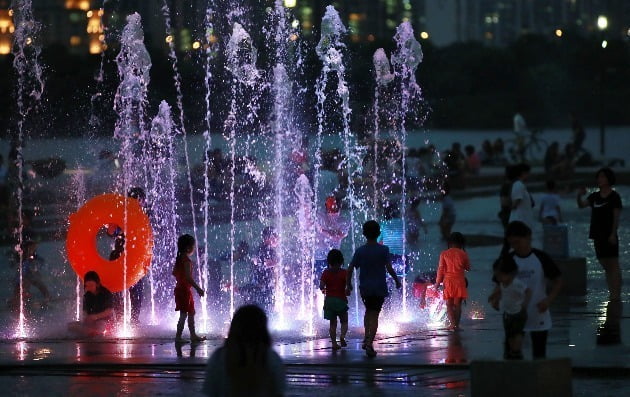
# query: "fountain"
(262, 182)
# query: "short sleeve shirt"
(513, 296)
(533, 270)
(602, 214)
(335, 283)
(549, 205)
(523, 212)
(97, 303)
(371, 260)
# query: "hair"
(551, 184)
(518, 229)
(246, 350)
(184, 243)
(137, 193)
(510, 172)
(608, 173)
(520, 169)
(505, 264)
(334, 257)
(470, 149)
(457, 238)
(371, 229)
(91, 276)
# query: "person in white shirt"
(522, 202)
(550, 213)
(513, 303)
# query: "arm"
(392, 273)
(440, 272)
(581, 203)
(322, 283)
(495, 297)
(349, 279)
(556, 286)
(613, 233)
(191, 280)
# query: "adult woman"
(605, 210)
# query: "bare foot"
(197, 338)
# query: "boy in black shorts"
(373, 261)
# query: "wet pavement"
(412, 360)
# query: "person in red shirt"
(333, 285)
(184, 302)
(453, 263)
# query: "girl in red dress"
(184, 302)
(453, 263)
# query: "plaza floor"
(414, 360)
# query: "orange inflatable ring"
(103, 211)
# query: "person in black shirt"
(605, 210)
(98, 309)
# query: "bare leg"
(343, 319)
(332, 330)
(180, 325)
(457, 311)
(450, 312)
(613, 276)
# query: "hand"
(543, 305)
(200, 292)
(612, 239)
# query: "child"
(263, 273)
(183, 296)
(246, 364)
(535, 268)
(372, 259)
(453, 262)
(549, 213)
(332, 284)
(514, 299)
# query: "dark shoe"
(370, 352)
(343, 343)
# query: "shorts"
(373, 302)
(514, 323)
(455, 288)
(334, 307)
(603, 249)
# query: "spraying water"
(30, 87)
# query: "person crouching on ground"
(98, 312)
(332, 284)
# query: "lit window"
(169, 39)
(424, 35)
(559, 32)
(196, 45)
(75, 41)
(290, 3)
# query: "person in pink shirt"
(473, 162)
(333, 285)
(453, 263)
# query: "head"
(469, 149)
(456, 240)
(331, 205)
(505, 269)
(605, 177)
(334, 258)
(269, 236)
(371, 230)
(249, 327)
(519, 236)
(91, 281)
(137, 193)
(185, 244)
(522, 171)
